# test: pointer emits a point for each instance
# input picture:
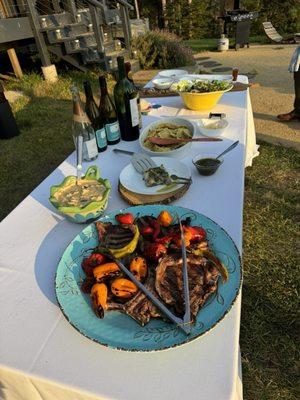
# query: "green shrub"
(162, 49)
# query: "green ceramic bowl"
(91, 211)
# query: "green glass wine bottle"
(126, 100)
(108, 115)
(92, 112)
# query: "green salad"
(200, 86)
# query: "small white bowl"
(162, 83)
(212, 127)
(177, 153)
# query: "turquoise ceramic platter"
(120, 331)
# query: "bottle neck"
(88, 92)
(127, 67)
(103, 86)
(78, 113)
(121, 68)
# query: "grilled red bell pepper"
(156, 227)
(125, 219)
(154, 251)
(166, 240)
(146, 230)
(197, 233)
(91, 262)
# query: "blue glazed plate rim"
(164, 347)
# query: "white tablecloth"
(43, 357)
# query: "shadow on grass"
(292, 124)
(44, 142)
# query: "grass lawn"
(198, 45)
(270, 316)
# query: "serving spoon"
(231, 147)
(168, 141)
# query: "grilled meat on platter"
(150, 247)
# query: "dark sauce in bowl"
(207, 166)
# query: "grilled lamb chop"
(114, 236)
(139, 307)
(169, 284)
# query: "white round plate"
(162, 83)
(133, 181)
(207, 77)
(172, 73)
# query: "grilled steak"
(114, 236)
(169, 284)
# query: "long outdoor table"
(43, 357)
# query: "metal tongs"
(183, 323)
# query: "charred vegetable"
(91, 262)
(165, 218)
(123, 288)
(99, 298)
(108, 270)
(138, 267)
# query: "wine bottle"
(8, 125)
(108, 115)
(91, 108)
(130, 78)
(92, 112)
(126, 100)
(82, 127)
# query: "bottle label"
(113, 131)
(101, 138)
(134, 111)
(90, 149)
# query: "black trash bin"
(8, 125)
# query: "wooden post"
(15, 63)
(137, 11)
(56, 7)
(126, 28)
(39, 39)
(71, 8)
(98, 33)
(49, 70)
(12, 52)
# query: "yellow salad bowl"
(202, 101)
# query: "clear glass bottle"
(82, 127)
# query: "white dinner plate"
(172, 73)
(133, 181)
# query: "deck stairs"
(85, 34)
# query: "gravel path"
(267, 65)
